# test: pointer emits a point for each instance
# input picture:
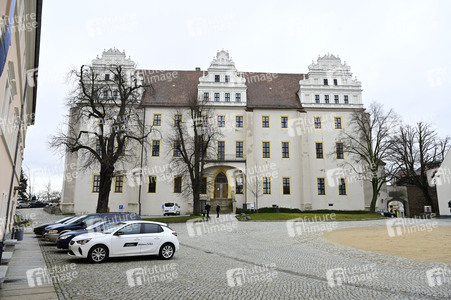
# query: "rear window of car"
(169, 204)
(151, 228)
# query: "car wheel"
(167, 251)
(98, 254)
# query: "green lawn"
(283, 217)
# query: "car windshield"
(75, 219)
(64, 220)
(102, 226)
(169, 204)
(114, 227)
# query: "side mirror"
(119, 233)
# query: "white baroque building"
(280, 145)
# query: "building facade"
(280, 144)
(19, 59)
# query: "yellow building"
(20, 32)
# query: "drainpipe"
(141, 165)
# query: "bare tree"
(48, 190)
(105, 114)
(368, 143)
(193, 144)
(417, 149)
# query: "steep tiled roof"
(264, 90)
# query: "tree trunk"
(374, 198)
(106, 177)
(196, 203)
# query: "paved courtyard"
(250, 260)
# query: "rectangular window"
(178, 184)
(177, 119)
(239, 121)
(206, 96)
(152, 184)
(221, 150)
(285, 150)
(203, 186)
(321, 186)
(157, 120)
(239, 185)
(266, 185)
(337, 122)
(98, 148)
(336, 99)
(319, 150)
(105, 94)
(217, 78)
(317, 121)
(176, 149)
(238, 97)
(339, 150)
(284, 122)
(221, 121)
(119, 183)
(342, 186)
(216, 97)
(227, 97)
(326, 82)
(155, 147)
(317, 99)
(239, 149)
(96, 183)
(266, 149)
(116, 94)
(286, 185)
(326, 99)
(346, 99)
(227, 78)
(265, 121)
(107, 77)
(335, 82)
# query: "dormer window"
(227, 78)
(335, 82)
(326, 82)
(216, 78)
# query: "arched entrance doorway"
(398, 207)
(221, 186)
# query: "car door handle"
(157, 238)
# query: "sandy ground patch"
(433, 245)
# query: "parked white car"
(128, 238)
(171, 208)
(22, 204)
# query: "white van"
(171, 208)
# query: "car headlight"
(55, 231)
(82, 242)
(63, 237)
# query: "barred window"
(321, 186)
(286, 186)
(266, 150)
(119, 184)
(266, 185)
(285, 150)
(96, 184)
(319, 150)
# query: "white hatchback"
(128, 238)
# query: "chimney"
(197, 68)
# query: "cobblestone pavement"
(253, 260)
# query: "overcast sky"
(399, 50)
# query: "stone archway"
(398, 206)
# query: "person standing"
(218, 208)
(207, 208)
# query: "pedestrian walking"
(218, 208)
(207, 208)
